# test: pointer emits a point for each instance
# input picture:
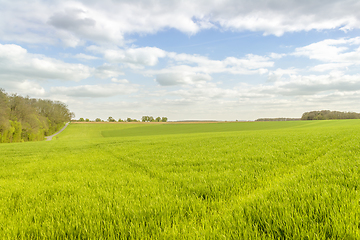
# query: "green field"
(246, 180)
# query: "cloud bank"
(74, 22)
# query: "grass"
(258, 180)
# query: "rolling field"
(246, 180)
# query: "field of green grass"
(246, 180)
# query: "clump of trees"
(83, 120)
(132, 120)
(152, 119)
(327, 114)
(111, 119)
(28, 119)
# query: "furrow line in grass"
(296, 173)
(137, 166)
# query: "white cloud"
(17, 64)
(176, 77)
(24, 21)
(91, 91)
(277, 17)
(206, 91)
(85, 56)
(148, 56)
(119, 80)
(330, 67)
(332, 50)
(24, 87)
(297, 85)
(107, 71)
(199, 68)
(277, 74)
(250, 62)
(277, 55)
(27, 87)
(131, 57)
(75, 22)
(229, 64)
(333, 54)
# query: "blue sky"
(219, 60)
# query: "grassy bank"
(258, 180)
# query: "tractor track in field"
(49, 138)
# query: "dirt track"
(49, 138)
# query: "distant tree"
(132, 120)
(81, 120)
(158, 119)
(87, 120)
(111, 119)
(120, 120)
(97, 120)
(164, 119)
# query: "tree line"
(111, 119)
(327, 115)
(151, 119)
(317, 115)
(29, 119)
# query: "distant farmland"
(245, 180)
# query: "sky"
(185, 60)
